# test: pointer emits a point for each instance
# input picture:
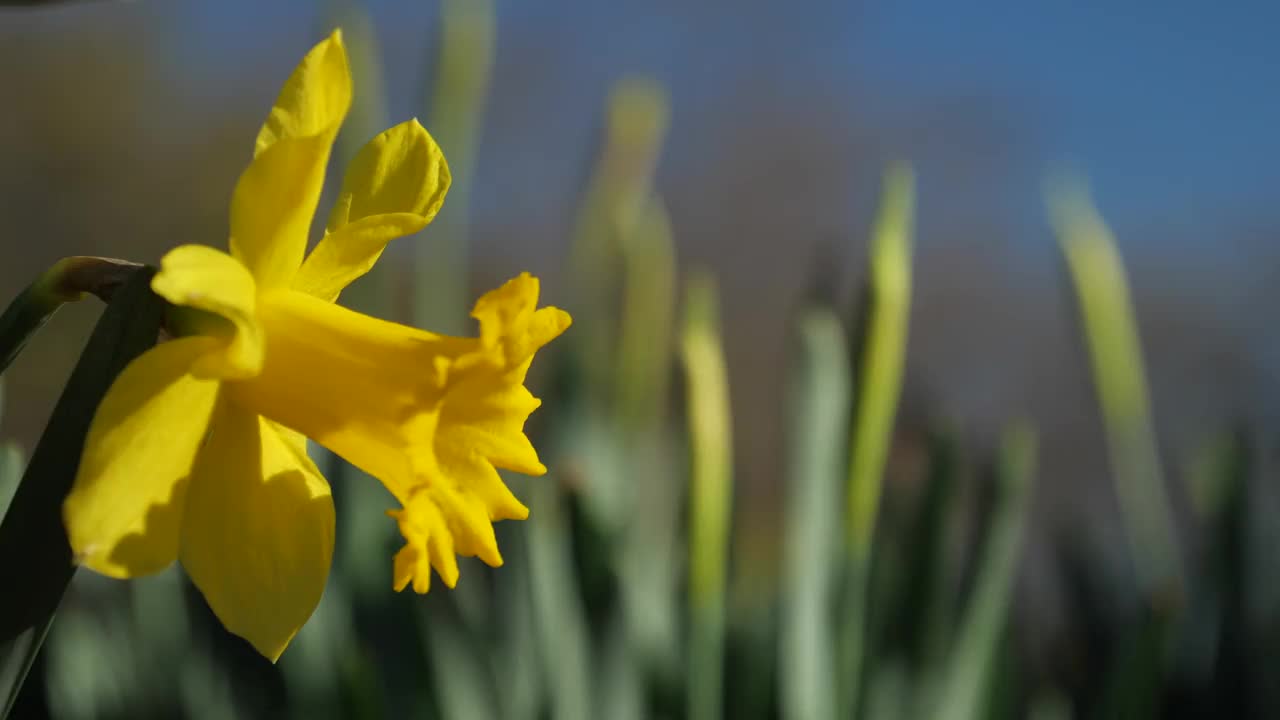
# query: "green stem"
(24, 316)
(68, 280)
(35, 558)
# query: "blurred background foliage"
(830, 437)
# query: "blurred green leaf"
(368, 115)
(92, 666)
(516, 659)
(882, 346)
(819, 400)
(34, 554)
(711, 494)
(463, 687)
(374, 292)
(560, 618)
(1217, 475)
(12, 462)
(617, 205)
(313, 670)
(1050, 706)
(441, 296)
(651, 559)
(889, 692)
(161, 624)
(1137, 670)
(620, 687)
(1218, 638)
(362, 502)
(925, 608)
(974, 655)
(207, 691)
(648, 308)
(644, 485)
(883, 352)
(1115, 352)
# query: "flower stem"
(35, 559)
(68, 280)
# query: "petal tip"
(422, 583)
(333, 41)
(563, 318)
(557, 321)
(272, 652)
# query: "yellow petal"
(210, 280)
(394, 187)
(401, 170)
(125, 508)
(346, 254)
(276, 196)
(314, 99)
(258, 537)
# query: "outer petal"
(206, 279)
(314, 99)
(259, 538)
(276, 196)
(402, 170)
(350, 252)
(394, 187)
(125, 509)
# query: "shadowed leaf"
(35, 558)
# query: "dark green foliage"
(35, 559)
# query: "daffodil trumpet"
(197, 453)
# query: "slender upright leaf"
(1115, 351)
(711, 495)
(464, 65)
(878, 372)
(974, 655)
(819, 420)
(618, 202)
(558, 611)
(35, 558)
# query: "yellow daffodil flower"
(197, 452)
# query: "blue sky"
(1170, 106)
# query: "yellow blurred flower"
(198, 453)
